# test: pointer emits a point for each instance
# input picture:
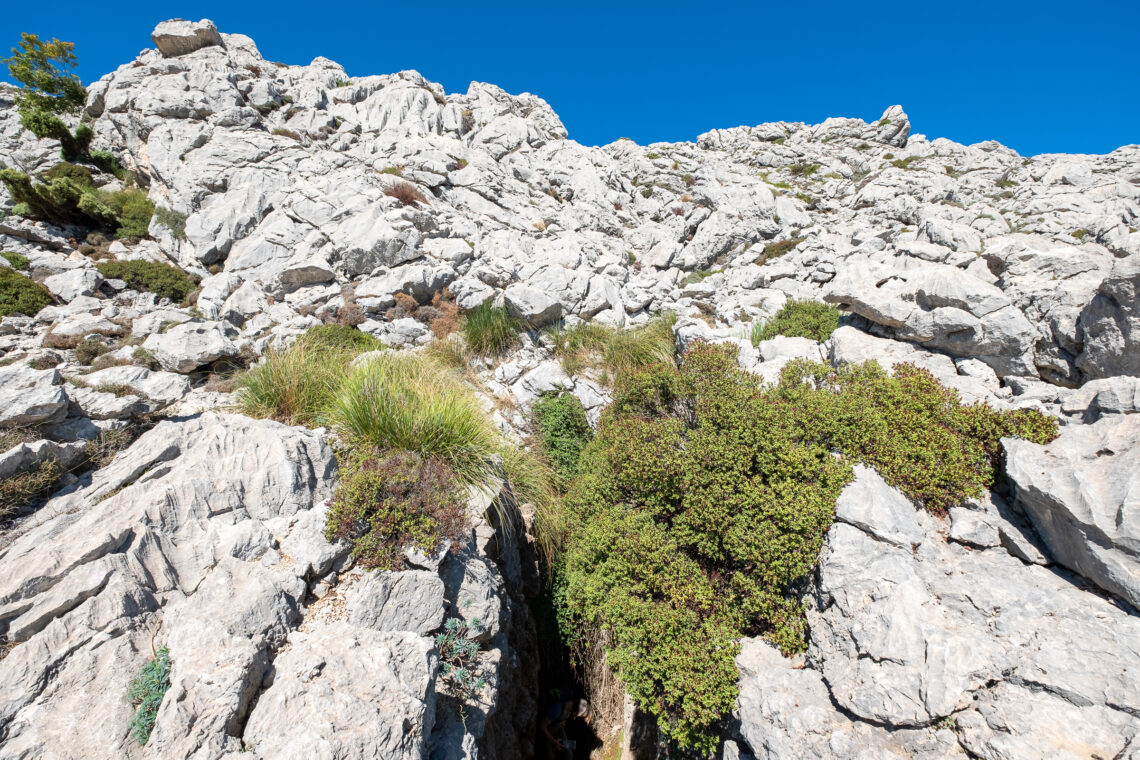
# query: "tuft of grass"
(1080, 234)
(405, 402)
(336, 337)
(803, 169)
(29, 486)
(619, 352)
(145, 694)
(18, 261)
(295, 385)
(904, 163)
(799, 319)
(19, 294)
(490, 330)
(164, 280)
(395, 171)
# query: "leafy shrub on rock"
(18, 261)
(703, 501)
(799, 319)
(69, 198)
(20, 294)
(619, 352)
(164, 280)
(386, 502)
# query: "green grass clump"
(18, 261)
(1080, 234)
(20, 491)
(405, 402)
(164, 280)
(20, 294)
(619, 352)
(799, 319)
(803, 170)
(562, 428)
(1005, 184)
(294, 385)
(490, 330)
(704, 500)
(904, 163)
(145, 694)
(340, 338)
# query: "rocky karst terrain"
(1007, 629)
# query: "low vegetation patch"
(702, 503)
(172, 220)
(145, 694)
(562, 432)
(68, 197)
(803, 170)
(776, 249)
(799, 319)
(18, 261)
(904, 163)
(490, 330)
(387, 502)
(616, 351)
(406, 193)
(19, 294)
(164, 280)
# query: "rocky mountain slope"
(1007, 629)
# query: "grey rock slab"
(30, 396)
(1082, 493)
(341, 691)
(164, 387)
(409, 600)
(188, 346)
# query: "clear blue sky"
(1039, 76)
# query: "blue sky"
(1039, 76)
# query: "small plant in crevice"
(145, 694)
(406, 193)
(172, 220)
(459, 658)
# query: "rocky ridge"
(1014, 280)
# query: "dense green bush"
(561, 425)
(19, 294)
(702, 503)
(386, 502)
(490, 330)
(18, 261)
(132, 211)
(799, 319)
(145, 694)
(164, 280)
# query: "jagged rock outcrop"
(300, 195)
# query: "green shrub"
(162, 279)
(145, 694)
(803, 170)
(132, 210)
(386, 502)
(107, 162)
(777, 249)
(1005, 184)
(49, 90)
(19, 294)
(1080, 234)
(703, 501)
(17, 260)
(904, 163)
(799, 319)
(916, 433)
(490, 330)
(172, 220)
(90, 348)
(563, 430)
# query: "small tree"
(49, 90)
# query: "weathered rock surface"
(1082, 492)
(939, 650)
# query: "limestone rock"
(186, 347)
(178, 37)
